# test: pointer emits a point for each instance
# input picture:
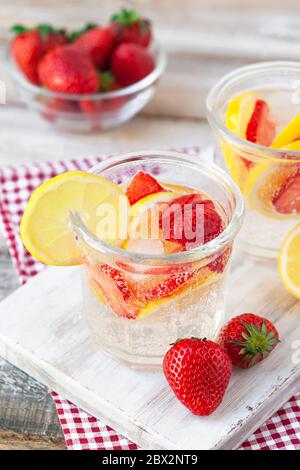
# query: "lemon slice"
(45, 228)
(238, 114)
(289, 134)
(293, 146)
(235, 165)
(263, 181)
(179, 189)
(289, 262)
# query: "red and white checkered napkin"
(82, 431)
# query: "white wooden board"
(42, 331)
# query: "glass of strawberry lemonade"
(163, 275)
(255, 112)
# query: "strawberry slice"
(190, 220)
(167, 287)
(260, 129)
(142, 184)
(287, 199)
(218, 264)
(114, 288)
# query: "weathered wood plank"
(38, 141)
(25, 405)
(206, 28)
(8, 277)
(15, 441)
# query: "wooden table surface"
(204, 40)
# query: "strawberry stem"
(19, 29)
(257, 342)
(76, 34)
(44, 29)
(126, 17)
(106, 80)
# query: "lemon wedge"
(45, 228)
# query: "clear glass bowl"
(259, 171)
(197, 307)
(112, 108)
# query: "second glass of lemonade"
(255, 113)
(138, 300)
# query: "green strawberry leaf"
(45, 29)
(19, 29)
(126, 17)
(76, 34)
(106, 80)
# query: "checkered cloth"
(82, 431)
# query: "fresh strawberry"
(141, 185)
(53, 108)
(107, 83)
(97, 43)
(131, 63)
(73, 35)
(111, 105)
(190, 220)
(287, 199)
(248, 339)
(68, 69)
(260, 129)
(115, 289)
(198, 372)
(130, 27)
(29, 46)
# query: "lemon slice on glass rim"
(45, 228)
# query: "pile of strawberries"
(94, 59)
(199, 370)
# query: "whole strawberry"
(131, 63)
(248, 339)
(98, 44)
(107, 83)
(128, 26)
(53, 108)
(29, 46)
(68, 69)
(198, 372)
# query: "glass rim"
(161, 62)
(237, 75)
(193, 254)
